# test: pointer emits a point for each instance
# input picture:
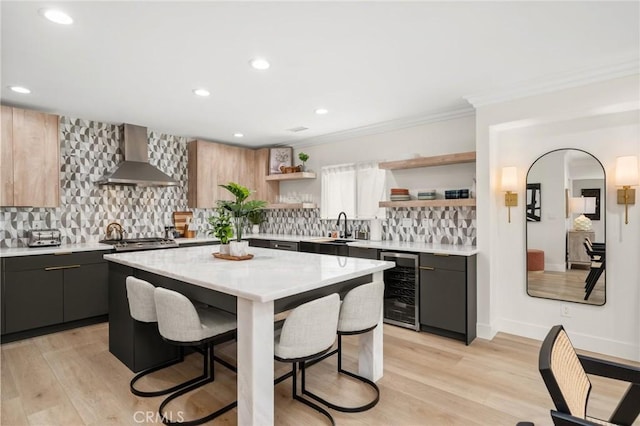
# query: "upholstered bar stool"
(182, 324)
(359, 313)
(142, 307)
(308, 332)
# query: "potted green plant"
(256, 217)
(221, 228)
(303, 157)
(239, 208)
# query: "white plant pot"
(255, 229)
(224, 249)
(239, 248)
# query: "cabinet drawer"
(454, 263)
(363, 253)
(23, 263)
(284, 245)
(256, 242)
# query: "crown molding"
(383, 127)
(557, 82)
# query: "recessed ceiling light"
(321, 111)
(201, 92)
(57, 16)
(260, 63)
(238, 135)
(20, 89)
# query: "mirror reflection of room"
(565, 216)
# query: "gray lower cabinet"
(274, 244)
(448, 295)
(364, 252)
(32, 299)
(86, 291)
(50, 290)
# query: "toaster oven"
(44, 237)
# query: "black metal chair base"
(148, 394)
(332, 405)
(297, 397)
(207, 377)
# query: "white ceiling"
(366, 62)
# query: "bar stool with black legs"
(360, 313)
(181, 323)
(142, 307)
(308, 332)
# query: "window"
(355, 189)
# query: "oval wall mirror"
(565, 213)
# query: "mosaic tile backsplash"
(91, 149)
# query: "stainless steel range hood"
(135, 169)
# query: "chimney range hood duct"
(135, 169)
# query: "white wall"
(548, 234)
(603, 120)
(442, 137)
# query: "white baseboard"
(555, 267)
(485, 331)
(579, 340)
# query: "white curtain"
(338, 191)
(370, 190)
(355, 189)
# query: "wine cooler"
(401, 290)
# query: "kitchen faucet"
(345, 234)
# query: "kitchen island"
(271, 282)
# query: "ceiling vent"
(298, 129)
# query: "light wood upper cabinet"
(265, 190)
(212, 164)
(30, 160)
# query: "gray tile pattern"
(91, 149)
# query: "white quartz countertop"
(451, 249)
(64, 248)
(195, 240)
(270, 275)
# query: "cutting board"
(180, 219)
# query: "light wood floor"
(70, 378)
(567, 286)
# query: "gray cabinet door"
(363, 252)
(443, 299)
(86, 291)
(32, 299)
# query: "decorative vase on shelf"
(582, 223)
(225, 249)
(255, 229)
(239, 248)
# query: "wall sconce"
(626, 177)
(580, 206)
(510, 186)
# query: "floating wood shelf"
(291, 206)
(292, 176)
(438, 160)
(460, 202)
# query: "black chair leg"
(294, 393)
(208, 372)
(593, 282)
(336, 407)
(172, 389)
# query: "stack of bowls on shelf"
(400, 194)
(427, 194)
